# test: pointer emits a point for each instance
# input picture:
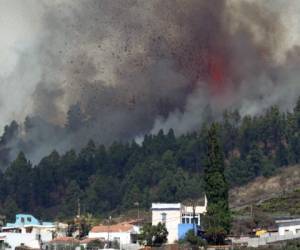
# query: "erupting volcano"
(176, 59)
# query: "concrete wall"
(262, 241)
(17, 239)
(183, 229)
(123, 236)
(173, 218)
(289, 229)
(27, 239)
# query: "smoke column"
(71, 70)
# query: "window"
(22, 219)
(29, 219)
(297, 230)
(187, 218)
(38, 237)
(163, 217)
(195, 220)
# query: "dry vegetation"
(285, 181)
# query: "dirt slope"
(261, 189)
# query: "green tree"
(132, 196)
(19, 181)
(237, 172)
(193, 240)
(153, 235)
(217, 219)
(95, 244)
(254, 161)
(10, 208)
(72, 196)
(103, 194)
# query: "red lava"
(216, 67)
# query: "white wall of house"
(170, 214)
(122, 237)
(289, 228)
(18, 239)
(32, 239)
(173, 214)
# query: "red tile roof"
(65, 240)
(122, 227)
(88, 240)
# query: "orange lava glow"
(216, 67)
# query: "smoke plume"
(71, 70)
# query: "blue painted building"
(183, 229)
(27, 220)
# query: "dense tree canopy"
(217, 218)
(163, 168)
(153, 235)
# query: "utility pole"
(108, 228)
(138, 212)
(194, 219)
(251, 214)
(78, 208)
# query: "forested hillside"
(163, 168)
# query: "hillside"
(262, 189)
(165, 167)
(259, 203)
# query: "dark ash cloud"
(115, 70)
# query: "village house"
(122, 233)
(63, 243)
(26, 231)
(286, 227)
(178, 218)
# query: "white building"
(177, 217)
(123, 233)
(63, 243)
(30, 236)
(286, 227)
(26, 231)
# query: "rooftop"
(27, 220)
(65, 240)
(121, 227)
(288, 221)
(166, 206)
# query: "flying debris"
(139, 65)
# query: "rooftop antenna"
(78, 208)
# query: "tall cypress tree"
(217, 219)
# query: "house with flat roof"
(178, 218)
(26, 231)
(288, 226)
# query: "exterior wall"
(124, 237)
(176, 214)
(17, 239)
(183, 229)
(289, 229)
(173, 218)
(28, 239)
(46, 236)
